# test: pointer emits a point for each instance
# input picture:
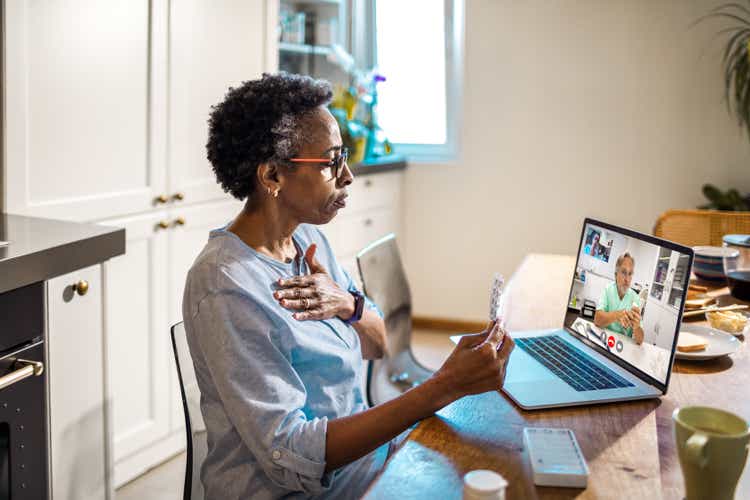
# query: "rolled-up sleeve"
(260, 392)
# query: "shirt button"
(276, 454)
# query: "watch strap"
(359, 307)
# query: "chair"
(197, 445)
(384, 281)
(700, 227)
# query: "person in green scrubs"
(619, 307)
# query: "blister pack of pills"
(495, 294)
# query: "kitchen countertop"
(378, 165)
(41, 249)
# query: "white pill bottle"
(484, 485)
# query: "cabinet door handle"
(162, 198)
(178, 196)
(368, 222)
(81, 288)
(179, 221)
(163, 224)
(368, 182)
(29, 368)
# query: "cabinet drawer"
(375, 191)
(351, 234)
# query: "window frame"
(454, 54)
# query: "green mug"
(712, 445)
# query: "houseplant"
(736, 68)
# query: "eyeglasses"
(336, 163)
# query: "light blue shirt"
(269, 383)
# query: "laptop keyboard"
(572, 365)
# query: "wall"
(606, 109)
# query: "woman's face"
(309, 191)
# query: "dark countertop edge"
(386, 164)
(56, 261)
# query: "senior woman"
(277, 329)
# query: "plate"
(719, 343)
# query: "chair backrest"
(197, 446)
(700, 227)
(384, 281)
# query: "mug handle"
(695, 447)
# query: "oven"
(24, 469)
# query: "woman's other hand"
(477, 364)
(315, 296)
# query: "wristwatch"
(359, 307)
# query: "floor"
(165, 481)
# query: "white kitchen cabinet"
(659, 321)
(213, 45)
(138, 348)
(111, 100)
(78, 426)
(77, 84)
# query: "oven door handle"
(28, 369)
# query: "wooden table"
(629, 446)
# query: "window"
(418, 103)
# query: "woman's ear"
(270, 178)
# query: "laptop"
(594, 358)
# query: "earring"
(276, 194)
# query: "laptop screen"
(626, 297)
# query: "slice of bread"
(698, 302)
(688, 342)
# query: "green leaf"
(737, 6)
(711, 192)
(740, 36)
(729, 16)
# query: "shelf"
(657, 283)
(300, 48)
(664, 258)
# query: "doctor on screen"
(619, 308)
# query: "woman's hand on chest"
(316, 296)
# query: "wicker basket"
(700, 227)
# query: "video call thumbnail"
(626, 297)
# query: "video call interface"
(626, 296)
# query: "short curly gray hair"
(257, 122)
